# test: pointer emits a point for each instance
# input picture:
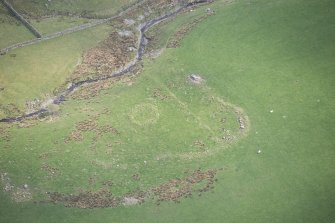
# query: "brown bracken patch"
(197, 182)
(176, 189)
(90, 125)
(111, 55)
(158, 93)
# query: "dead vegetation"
(160, 95)
(177, 189)
(174, 190)
(7, 110)
(90, 125)
(50, 170)
(100, 199)
(111, 55)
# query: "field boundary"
(19, 17)
(67, 31)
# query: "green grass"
(38, 69)
(260, 55)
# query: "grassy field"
(45, 66)
(273, 59)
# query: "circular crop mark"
(144, 114)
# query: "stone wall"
(19, 17)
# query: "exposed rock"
(21, 195)
(132, 49)
(241, 122)
(130, 201)
(129, 22)
(195, 78)
(8, 187)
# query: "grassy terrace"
(270, 60)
